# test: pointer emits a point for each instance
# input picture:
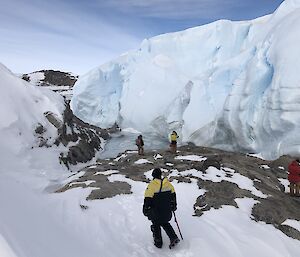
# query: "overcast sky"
(77, 35)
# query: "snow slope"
(232, 85)
(22, 109)
(28, 173)
(116, 226)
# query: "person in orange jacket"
(294, 177)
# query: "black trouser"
(155, 228)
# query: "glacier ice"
(232, 85)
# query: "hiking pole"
(177, 225)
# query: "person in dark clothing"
(140, 144)
(159, 203)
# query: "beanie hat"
(156, 173)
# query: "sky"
(78, 35)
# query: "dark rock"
(83, 207)
(273, 206)
(53, 119)
(42, 142)
(106, 189)
(53, 77)
(276, 209)
(289, 231)
(58, 81)
(39, 129)
(213, 161)
(26, 77)
(218, 195)
(88, 138)
(181, 179)
(110, 190)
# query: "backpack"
(138, 142)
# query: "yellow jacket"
(174, 137)
(160, 201)
(154, 187)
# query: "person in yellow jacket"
(173, 144)
(159, 203)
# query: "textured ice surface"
(231, 85)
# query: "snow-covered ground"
(232, 85)
(37, 223)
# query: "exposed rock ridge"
(273, 204)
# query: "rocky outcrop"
(52, 78)
(273, 204)
(58, 81)
(81, 139)
(58, 78)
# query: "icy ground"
(125, 140)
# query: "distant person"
(140, 144)
(159, 203)
(294, 177)
(173, 144)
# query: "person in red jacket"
(294, 177)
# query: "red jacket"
(294, 172)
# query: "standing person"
(294, 177)
(173, 144)
(140, 144)
(159, 203)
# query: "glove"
(146, 211)
(173, 207)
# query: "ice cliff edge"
(232, 85)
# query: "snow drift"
(232, 85)
(23, 109)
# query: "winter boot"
(174, 242)
(158, 243)
(157, 236)
(292, 189)
(297, 189)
